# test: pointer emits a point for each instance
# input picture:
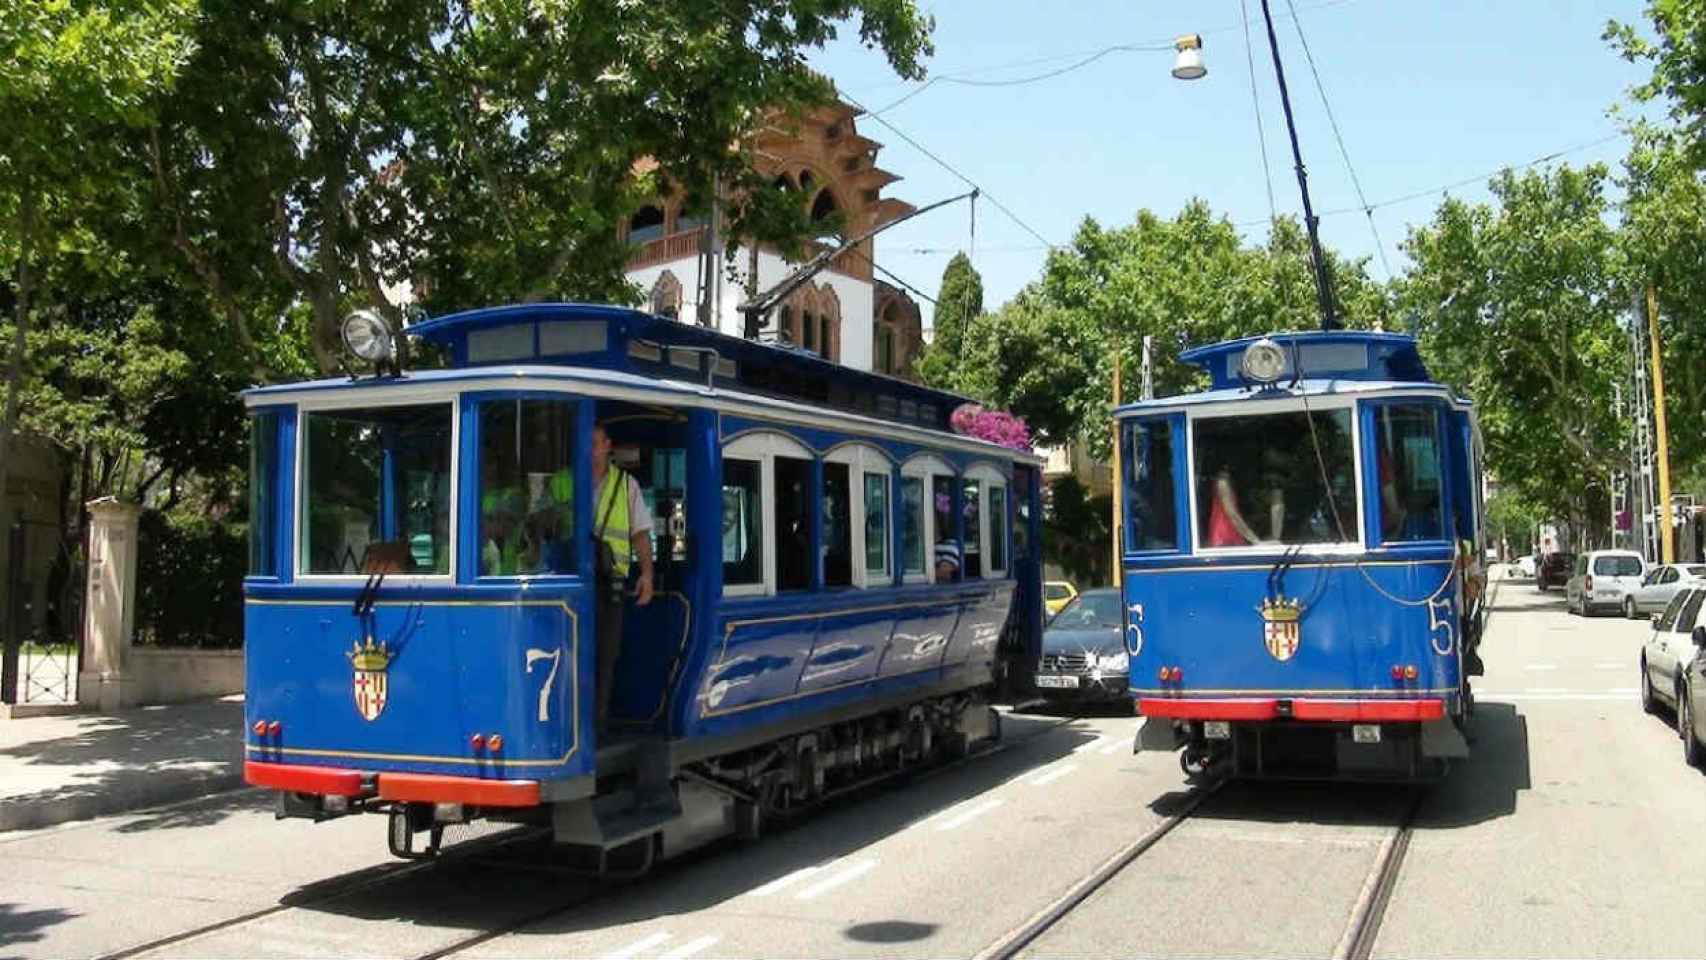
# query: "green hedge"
(189, 581)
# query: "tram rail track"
(1361, 930)
(480, 851)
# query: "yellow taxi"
(1057, 594)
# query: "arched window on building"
(646, 224)
(694, 213)
(824, 210)
(829, 323)
(785, 324)
(885, 359)
(808, 331)
(666, 296)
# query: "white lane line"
(961, 820)
(1098, 742)
(853, 872)
(1052, 775)
(691, 947)
(1609, 665)
(1624, 690)
(1113, 748)
(1551, 697)
(638, 946)
(1541, 666)
(1548, 690)
(782, 883)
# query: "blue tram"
(421, 624)
(1301, 560)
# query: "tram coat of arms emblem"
(370, 661)
(1282, 626)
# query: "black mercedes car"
(1084, 656)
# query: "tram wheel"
(1195, 761)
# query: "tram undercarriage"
(657, 805)
(1294, 750)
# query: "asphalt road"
(1574, 830)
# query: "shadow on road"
(26, 926)
(473, 894)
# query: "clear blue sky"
(1425, 93)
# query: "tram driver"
(621, 529)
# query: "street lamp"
(1188, 64)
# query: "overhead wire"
(1339, 137)
(1256, 108)
(945, 165)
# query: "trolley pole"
(1667, 537)
(1323, 280)
(1118, 573)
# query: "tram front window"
(1270, 479)
(372, 479)
(1406, 440)
(527, 487)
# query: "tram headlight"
(1264, 361)
(1114, 662)
(368, 336)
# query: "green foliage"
(1078, 532)
(1677, 56)
(323, 153)
(1512, 519)
(1518, 305)
(959, 306)
(189, 580)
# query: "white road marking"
(1624, 690)
(782, 883)
(1548, 690)
(1553, 697)
(638, 946)
(1541, 666)
(691, 947)
(1098, 742)
(853, 872)
(1610, 665)
(962, 819)
(1052, 775)
(1113, 748)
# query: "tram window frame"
(526, 441)
(1351, 510)
(926, 468)
(1165, 509)
(307, 410)
(988, 479)
(763, 447)
(863, 461)
(263, 492)
(754, 537)
(1381, 420)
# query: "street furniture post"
(1118, 580)
(1667, 537)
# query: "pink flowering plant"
(996, 426)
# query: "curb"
(34, 812)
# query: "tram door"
(651, 447)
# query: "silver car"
(1602, 579)
(1658, 586)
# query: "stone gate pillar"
(109, 606)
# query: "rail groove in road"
(482, 850)
(1370, 908)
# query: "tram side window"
(376, 481)
(1407, 451)
(997, 528)
(837, 525)
(970, 500)
(942, 503)
(743, 523)
(527, 487)
(1022, 514)
(1271, 479)
(263, 494)
(793, 524)
(912, 524)
(1146, 456)
(876, 526)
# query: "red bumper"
(1329, 711)
(409, 787)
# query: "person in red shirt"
(1226, 525)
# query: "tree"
(1678, 60)
(1048, 355)
(325, 153)
(958, 306)
(75, 75)
(1078, 531)
(1518, 305)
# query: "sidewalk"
(55, 769)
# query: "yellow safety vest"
(610, 515)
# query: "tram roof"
(609, 337)
(1313, 388)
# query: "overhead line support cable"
(1256, 107)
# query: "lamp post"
(1323, 281)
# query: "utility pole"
(1118, 571)
(1667, 537)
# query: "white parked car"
(1670, 648)
(1525, 566)
(1603, 578)
(1658, 587)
